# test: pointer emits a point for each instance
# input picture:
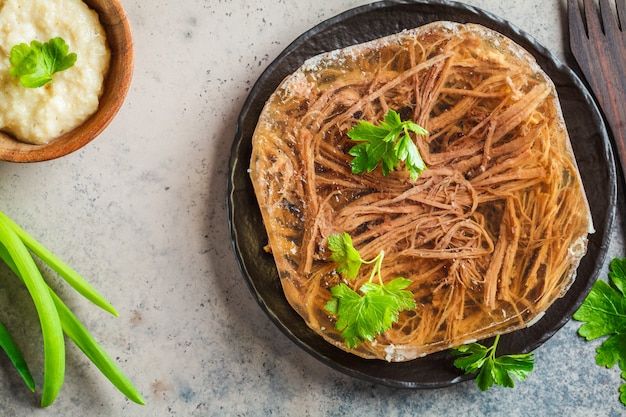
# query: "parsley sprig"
(604, 314)
(371, 311)
(491, 369)
(35, 64)
(386, 144)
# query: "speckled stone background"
(141, 213)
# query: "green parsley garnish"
(35, 64)
(491, 368)
(387, 144)
(604, 314)
(362, 316)
(345, 254)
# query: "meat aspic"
(490, 234)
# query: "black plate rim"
(519, 36)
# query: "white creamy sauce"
(38, 115)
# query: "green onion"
(79, 334)
(53, 343)
(55, 317)
(14, 354)
(65, 271)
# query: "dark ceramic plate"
(589, 140)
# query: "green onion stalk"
(17, 249)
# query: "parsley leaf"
(491, 369)
(345, 255)
(604, 314)
(387, 144)
(361, 316)
(35, 64)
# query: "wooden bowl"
(116, 84)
